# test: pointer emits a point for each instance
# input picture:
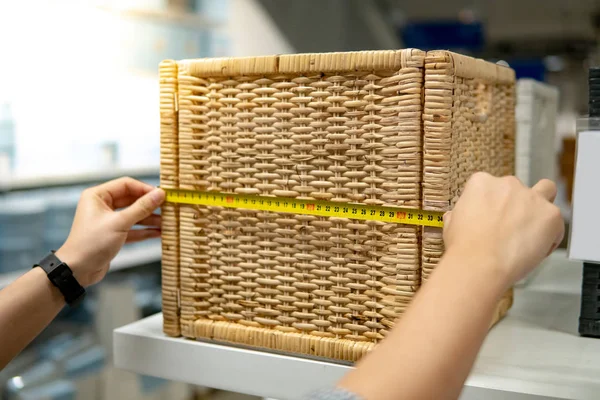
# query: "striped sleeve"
(332, 394)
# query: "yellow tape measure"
(307, 207)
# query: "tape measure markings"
(321, 208)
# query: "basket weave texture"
(402, 128)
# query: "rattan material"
(468, 126)
(169, 167)
(345, 127)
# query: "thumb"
(447, 218)
(546, 188)
(143, 207)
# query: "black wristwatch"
(62, 277)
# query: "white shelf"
(127, 258)
(534, 353)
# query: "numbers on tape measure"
(301, 206)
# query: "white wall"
(64, 68)
(252, 31)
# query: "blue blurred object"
(61, 205)
(88, 362)
(18, 254)
(7, 140)
(48, 348)
(33, 222)
(452, 35)
(21, 231)
(532, 68)
(215, 10)
(62, 351)
(69, 358)
(150, 384)
(42, 372)
(57, 390)
(21, 216)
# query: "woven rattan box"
(403, 128)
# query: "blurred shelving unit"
(129, 257)
(41, 181)
(534, 353)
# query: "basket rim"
(392, 60)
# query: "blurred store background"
(79, 105)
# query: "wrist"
(478, 269)
(55, 293)
(72, 259)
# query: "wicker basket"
(345, 127)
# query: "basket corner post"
(169, 171)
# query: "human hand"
(501, 220)
(99, 231)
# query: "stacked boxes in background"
(33, 222)
(21, 231)
(61, 205)
(535, 155)
(589, 318)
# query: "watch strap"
(62, 277)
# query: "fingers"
(121, 192)
(546, 188)
(124, 202)
(137, 235)
(142, 208)
(152, 220)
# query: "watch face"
(61, 276)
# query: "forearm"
(429, 353)
(26, 307)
